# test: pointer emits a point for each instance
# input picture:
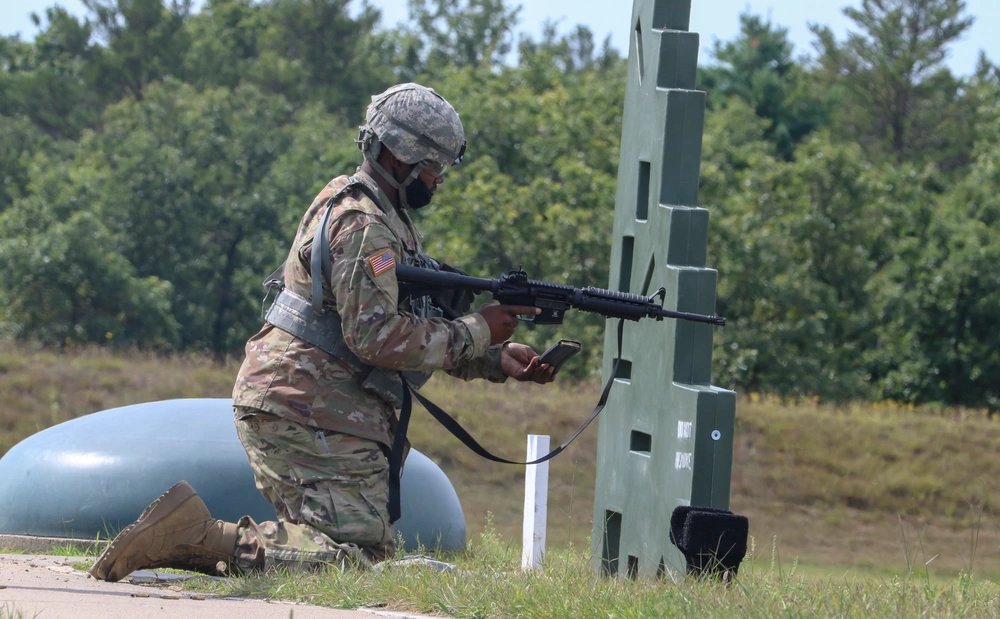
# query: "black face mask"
(418, 195)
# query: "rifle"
(514, 288)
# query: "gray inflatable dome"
(91, 476)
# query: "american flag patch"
(382, 261)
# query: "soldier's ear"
(389, 161)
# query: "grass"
(872, 486)
(489, 583)
(40, 388)
(11, 612)
(860, 487)
(856, 495)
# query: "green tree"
(311, 160)
(757, 67)
(20, 141)
(180, 177)
(145, 41)
(65, 281)
(536, 188)
(896, 90)
(795, 244)
(313, 50)
(72, 287)
(52, 80)
(556, 55)
(464, 33)
(736, 164)
(939, 294)
(225, 43)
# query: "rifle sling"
(452, 425)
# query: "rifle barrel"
(712, 319)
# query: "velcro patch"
(382, 262)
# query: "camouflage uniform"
(317, 439)
(317, 425)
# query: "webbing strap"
(319, 260)
(452, 425)
(320, 265)
(396, 455)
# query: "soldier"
(317, 396)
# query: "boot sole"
(164, 505)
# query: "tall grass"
(40, 388)
(11, 612)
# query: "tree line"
(155, 161)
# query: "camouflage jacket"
(286, 376)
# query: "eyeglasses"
(438, 169)
(435, 168)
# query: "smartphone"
(558, 353)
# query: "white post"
(536, 497)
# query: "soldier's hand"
(520, 362)
(502, 319)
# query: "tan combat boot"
(176, 530)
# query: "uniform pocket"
(344, 493)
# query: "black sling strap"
(452, 425)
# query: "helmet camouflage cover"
(415, 124)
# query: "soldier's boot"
(176, 530)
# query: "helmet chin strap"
(400, 187)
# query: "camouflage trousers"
(330, 491)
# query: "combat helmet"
(417, 125)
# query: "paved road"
(48, 587)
